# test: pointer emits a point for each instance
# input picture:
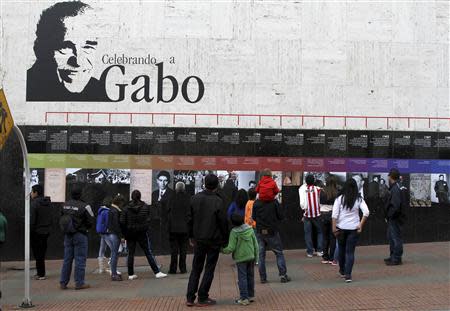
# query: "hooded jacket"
(41, 217)
(242, 244)
(135, 218)
(267, 189)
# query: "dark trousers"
(204, 256)
(39, 247)
(246, 279)
(143, 239)
(347, 240)
(272, 242)
(178, 246)
(329, 240)
(395, 240)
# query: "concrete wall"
(356, 58)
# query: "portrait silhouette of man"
(65, 49)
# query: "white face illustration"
(76, 55)
(162, 181)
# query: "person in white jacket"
(310, 204)
(347, 226)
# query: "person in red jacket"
(267, 188)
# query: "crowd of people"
(216, 220)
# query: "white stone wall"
(355, 58)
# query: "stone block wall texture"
(355, 58)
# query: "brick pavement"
(422, 283)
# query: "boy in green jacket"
(243, 245)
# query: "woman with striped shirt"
(347, 226)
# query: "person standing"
(394, 217)
(310, 204)
(249, 208)
(238, 205)
(208, 228)
(347, 226)
(77, 218)
(40, 228)
(267, 216)
(179, 206)
(135, 222)
(244, 247)
(327, 198)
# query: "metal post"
(26, 303)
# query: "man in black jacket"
(77, 218)
(394, 219)
(208, 228)
(40, 228)
(267, 216)
(178, 229)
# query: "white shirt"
(348, 219)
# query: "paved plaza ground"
(421, 283)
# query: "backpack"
(102, 220)
(66, 224)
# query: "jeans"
(102, 248)
(395, 240)
(347, 240)
(274, 243)
(113, 242)
(329, 240)
(336, 251)
(307, 225)
(246, 279)
(178, 246)
(202, 253)
(39, 248)
(75, 247)
(143, 239)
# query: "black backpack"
(66, 224)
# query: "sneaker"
(309, 255)
(387, 259)
(263, 281)
(118, 272)
(334, 263)
(206, 302)
(84, 286)
(39, 278)
(325, 261)
(62, 286)
(190, 304)
(116, 277)
(251, 299)
(319, 254)
(342, 275)
(132, 277)
(348, 279)
(285, 279)
(160, 275)
(242, 302)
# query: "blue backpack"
(102, 220)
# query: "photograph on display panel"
(420, 190)
(193, 180)
(439, 188)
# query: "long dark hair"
(350, 193)
(136, 196)
(331, 187)
(241, 198)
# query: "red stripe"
(316, 205)
(309, 211)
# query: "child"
(267, 188)
(249, 208)
(243, 245)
